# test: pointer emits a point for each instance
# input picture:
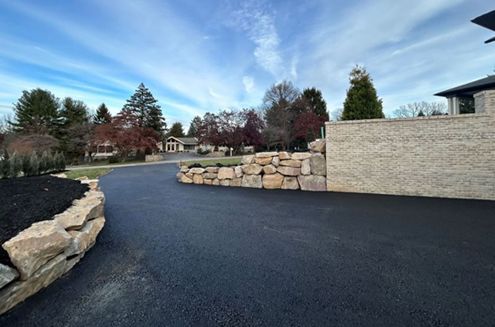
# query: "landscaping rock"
(215, 182)
(225, 182)
(266, 154)
(273, 181)
(189, 175)
(247, 159)
(196, 170)
(207, 181)
(211, 170)
(225, 173)
(184, 169)
(238, 171)
(318, 164)
(179, 176)
(291, 163)
(270, 169)
(36, 245)
(318, 146)
(185, 179)
(290, 183)
(18, 291)
(87, 208)
(263, 161)
(289, 171)
(210, 175)
(252, 169)
(305, 167)
(7, 275)
(253, 181)
(92, 183)
(284, 155)
(312, 183)
(301, 155)
(84, 239)
(198, 179)
(276, 161)
(236, 182)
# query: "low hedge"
(30, 165)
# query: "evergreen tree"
(145, 108)
(176, 130)
(37, 111)
(362, 101)
(194, 127)
(74, 135)
(102, 116)
(315, 102)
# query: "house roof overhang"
(469, 89)
(184, 140)
(487, 21)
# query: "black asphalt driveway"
(185, 255)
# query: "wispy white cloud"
(258, 22)
(248, 82)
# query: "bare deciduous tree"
(422, 108)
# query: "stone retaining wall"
(269, 170)
(48, 249)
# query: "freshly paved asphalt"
(186, 255)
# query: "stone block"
(312, 183)
(253, 181)
(225, 173)
(252, 169)
(289, 171)
(290, 183)
(273, 181)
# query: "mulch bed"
(27, 200)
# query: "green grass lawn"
(106, 163)
(213, 162)
(91, 173)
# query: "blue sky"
(199, 56)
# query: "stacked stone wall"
(269, 170)
(48, 249)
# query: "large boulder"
(225, 182)
(318, 164)
(225, 173)
(247, 159)
(301, 155)
(179, 175)
(289, 171)
(284, 155)
(196, 170)
(184, 169)
(275, 161)
(210, 175)
(266, 154)
(84, 239)
(238, 171)
(7, 275)
(305, 167)
(290, 183)
(236, 182)
(291, 163)
(36, 245)
(263, 161)
(318, 146)
(252, 169)
(212, 170)
(253, 181)
(270, 169)
(186, 179)
(273, 181)
(82, 210)
(20, 290)
(215, 182)
(198, 179)
(207, 181)
(312, 183)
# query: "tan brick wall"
(441, 156)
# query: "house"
(466, 92)
(181, 144)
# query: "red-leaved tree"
(307, 126)
(126, 135)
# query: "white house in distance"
(181, 144)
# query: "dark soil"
(27, 200)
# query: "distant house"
(181, 144)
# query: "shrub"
(44, 163)
(4, 166)
(202, 152)
(113, 159)
(15, 163)
(25, 164)
(34, 165)
(59, 162)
